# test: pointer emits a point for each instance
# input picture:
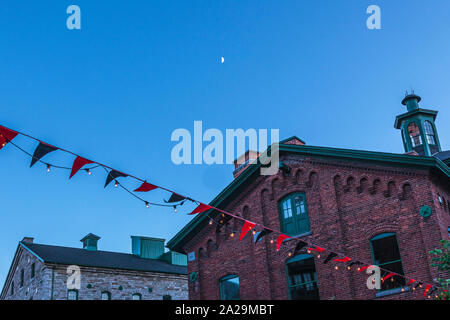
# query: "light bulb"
(48, 168)
(348, 268)
(271, 241)
(116, 184)
(89, 172)
(175, 209)
(336, 267)
(147, 204)
(318, 256)
(210, 222)
(232, 234)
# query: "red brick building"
(380, 208)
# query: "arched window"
(106, 295)
(386, 255)
(414, 133)
(293, 212)
(302, 278)
(229, 288)
(137, 296)
(429, 132)
(72, 295)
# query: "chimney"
(28, 239)
(147, 248)
(244, 161)
(90, 242)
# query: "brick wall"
(348, 203)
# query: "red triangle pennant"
(6, 135)
(78, 164)
(318, 249)
(346, 259)
(246, 228)
(146, 187)
(201, 208)
(363, 268)
(427, 288)
(410, 281)
(280, 240)
(390, 275)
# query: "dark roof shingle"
(101, 259)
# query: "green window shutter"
(294, 219)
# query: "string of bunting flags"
(175, 200)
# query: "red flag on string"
(146, 187)
(78, 164)
(280, 240)
(390, 275)
(318, 249)
(6, 135)
(346, 259)
(201, 208)
(246, 228)
(363, 268)
(410, 281)
(427, 288)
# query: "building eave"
(399, 118)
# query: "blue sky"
(137, 70)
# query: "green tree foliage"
(441, 260)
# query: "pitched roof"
(100, 259)
(245, 178)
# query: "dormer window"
(429, 132)
(414, 133)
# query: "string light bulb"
(88, 171)
(348, 268)
(336, 267)
(318, 256)
(175, 209)
(210, 222)
(116, 183)
(147, 204)
(48, 168)
(232, 235)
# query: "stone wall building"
(45, 272)
(380, 208)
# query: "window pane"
(287, 208)
(428, 128)
(229, 288)
(385, 250)
(303, 280)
